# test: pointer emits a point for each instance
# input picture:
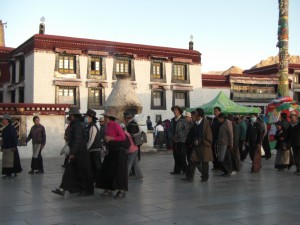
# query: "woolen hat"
(91, 113)
(109, 114)
(6, 117)
(128, 115)
(188, 114)
(73, 111)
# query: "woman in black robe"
(77, 177)
(11, 164)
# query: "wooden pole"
(283, 45)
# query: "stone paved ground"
(267, 198)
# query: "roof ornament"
(191, 43)
(42, 26)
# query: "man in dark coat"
(180, 130)
(38, 136)
(202, 138)
(293, 140)
(77, 177)
(254, 141)
(215, 126)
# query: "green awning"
(227, 106)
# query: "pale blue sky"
(226, 32)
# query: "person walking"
(168, 134)
(293, 139)
(11, 164)
(132, 159)
(215, 126)
(77, 177)
(94, 142)
(179, 129)
(113, 175)
(254, 141)
(242, 134)
(132, 127)
(283, 154)
(236, 145)
(160, 134)
(265, 142)
(201, 154)
(225, 145)
(38, 136)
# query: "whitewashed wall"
(55, 127)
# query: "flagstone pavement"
(269, 197)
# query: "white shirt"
(158, 129)
(199, 121)
(92, 135)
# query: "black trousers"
(37, 163)
(226, 165)
(296, 153)
(203, 167)
(215, 153)
(266, 147)
(179, 154)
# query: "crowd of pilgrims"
(226, 140)
(196, 140)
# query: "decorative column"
(2, 40)
(283, 45)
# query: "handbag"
(65, 149)
(139, 138)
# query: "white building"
(51, 69)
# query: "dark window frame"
(131, 70)
(187, 98)
(97, 74)
(186, 73)
(21, 69)
(76, 95)
(162, 72)
(163, 100)
(61, 68)
(13, 72)
(101, 98)
(13, 96)
(21, 95)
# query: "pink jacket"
(133, 147)
(114, 130)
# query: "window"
(96, 98)
(67, 95)
(66, 64)
(156, 72)
(1, 96)
(13, 72)
(180, 73)
(122, 67)
(21, 95)
(21, 69)
(12, 96)
(181, 98)
(158, 99)
(96, 66)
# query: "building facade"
(52, 69)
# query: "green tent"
(227, 106)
